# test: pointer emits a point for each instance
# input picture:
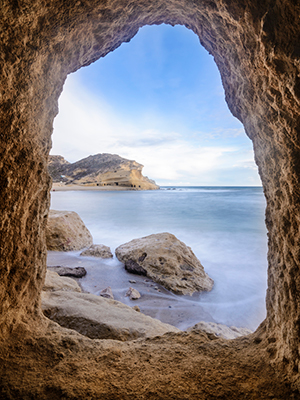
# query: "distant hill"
(100, 170)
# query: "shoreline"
(59, 187)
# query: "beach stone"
(133, 294)
(167, 261)
(54, 282)
(100, 318)
(220, 330)
(77, 272)
(136, 308)
(98, 250)
(66, 231)
(107, 293)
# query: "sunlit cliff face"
(256, 48)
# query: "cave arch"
(255, 46)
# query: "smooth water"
(224, 226)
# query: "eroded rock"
(100, 318)
(167, 261)
(66, 231)
(97, 250)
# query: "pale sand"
(60, 187)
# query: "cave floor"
(62, 364)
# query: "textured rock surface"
(97, 250)
(54, 282)
(66, 231)
(100, 170)
(100, 318)
(167, 261)
(255, 45)
(220, 330)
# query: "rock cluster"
(100, 170)
(95, 316)
(166, 260)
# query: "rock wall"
(255, 44)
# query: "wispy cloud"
(88, 125)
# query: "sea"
(224, 226)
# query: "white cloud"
(88, 125)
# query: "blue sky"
(158, 100)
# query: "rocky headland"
(100, 170)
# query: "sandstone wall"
(255, 44)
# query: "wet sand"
(155, 301)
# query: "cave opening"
(256, 47)
(119, 103)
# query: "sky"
(158, 100)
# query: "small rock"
(131, 281)
(107, 293)
(136, 308)
(133, 294)
(77, 272)
(98, 250)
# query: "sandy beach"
(60, 187)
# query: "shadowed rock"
(77, 272)
(135, 268)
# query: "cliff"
(100, 170)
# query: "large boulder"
(166, 260)
(66, 231)
(100, 318)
